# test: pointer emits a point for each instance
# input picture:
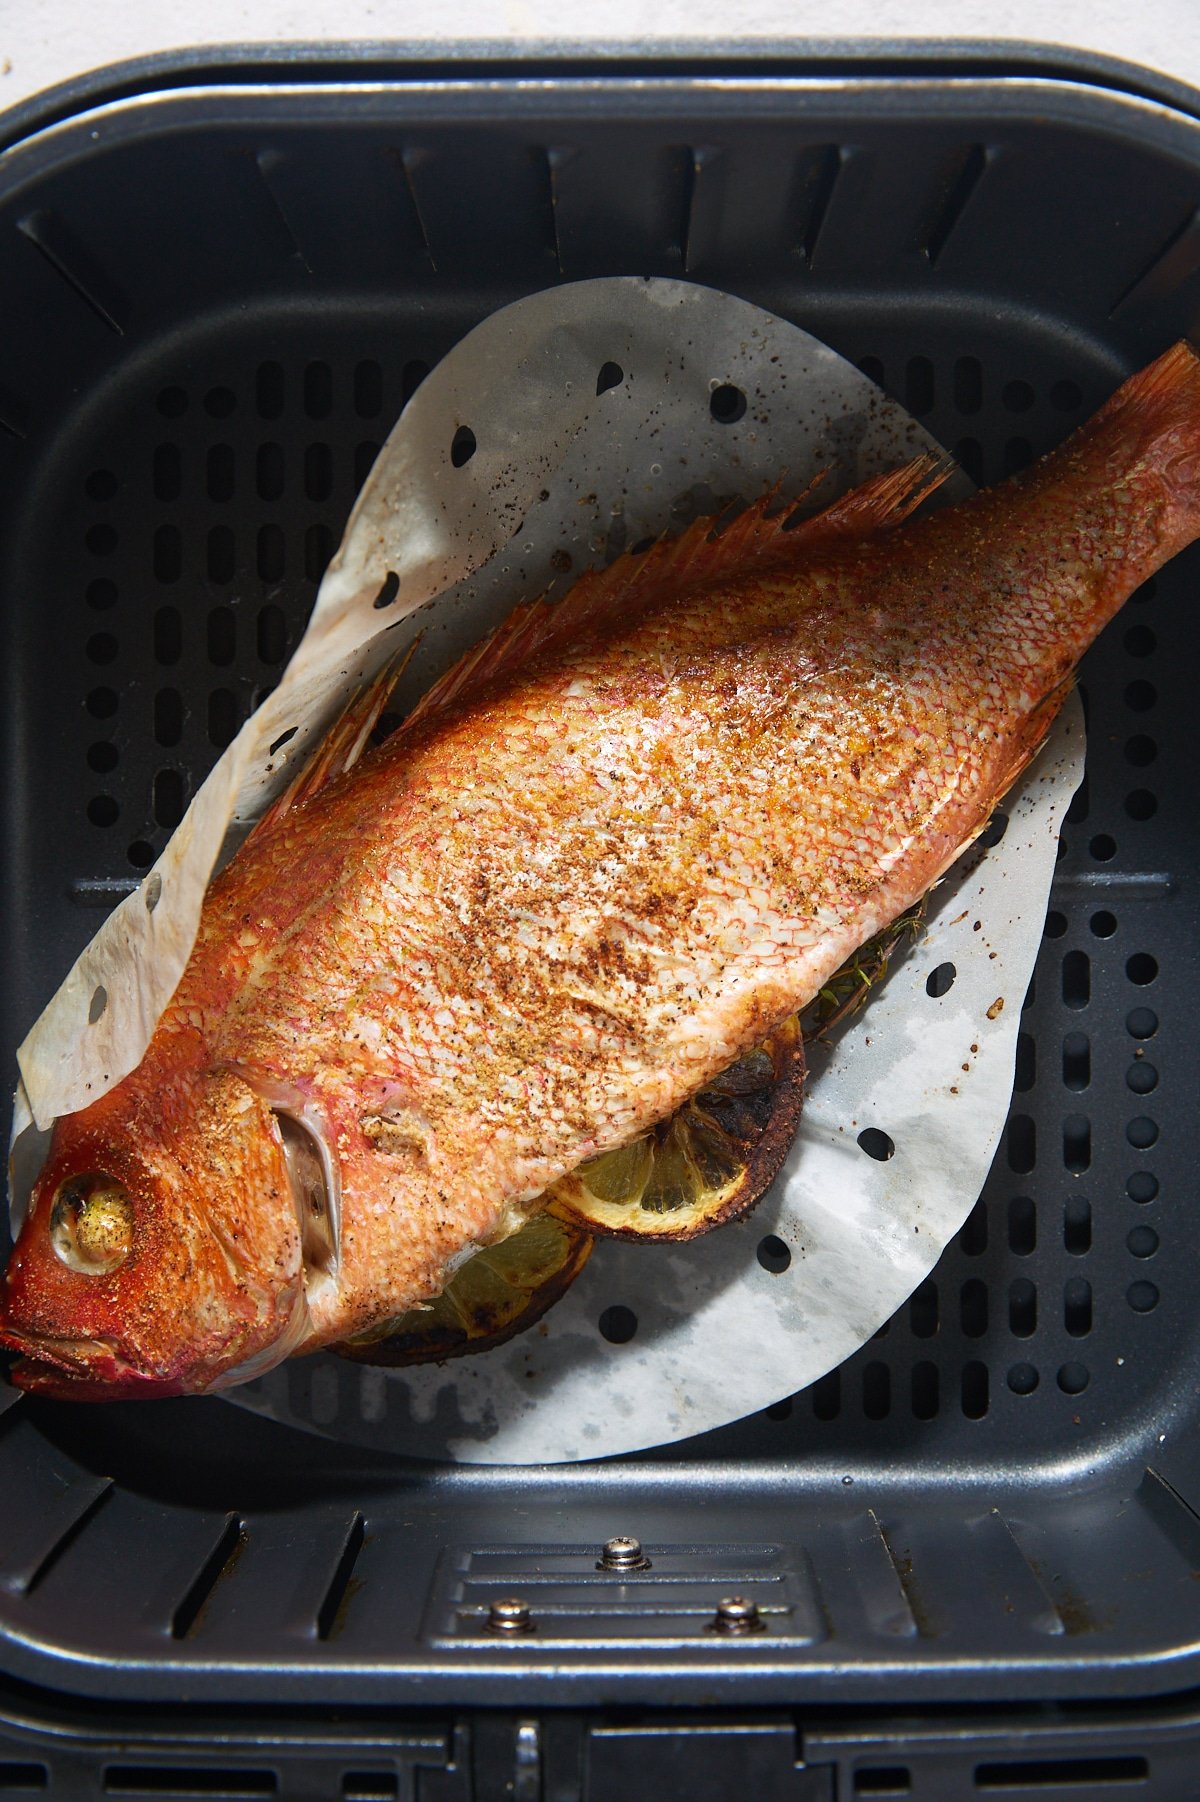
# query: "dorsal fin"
(341, 747)
(758, 538)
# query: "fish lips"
(103, 1377)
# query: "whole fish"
(625, 838)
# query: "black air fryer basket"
(218, 288)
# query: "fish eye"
(91, 1223)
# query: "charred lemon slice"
(708, 1163)
(496, 1294)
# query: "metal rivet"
(737, 1614)
(621, 1554)
(509, 1615)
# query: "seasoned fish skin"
(653, 822)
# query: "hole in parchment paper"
(462, 446)
(152, 893)
(876, 1144)
(727, 404)
(389, 590)
(939, 982)
(98, 1004)
(618, 1325)
(284, 738)
(773, 1254)
(611, 376)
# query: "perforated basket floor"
(216, 303)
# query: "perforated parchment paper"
(564, 429)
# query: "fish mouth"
(82, 1371)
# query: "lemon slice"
(708, 1163)
(496, 1294)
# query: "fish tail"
(1152, 423)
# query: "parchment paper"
(592, 413)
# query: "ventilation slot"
(35, 1544)
(1176, 263)
(77, 267)
(817, 170)
(338, 1592)
(1057, 1773)
(960, 176)
(254, 176)
(224, 1555)
(191, 1780)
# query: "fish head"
(162, 1252)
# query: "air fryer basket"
(215, 302)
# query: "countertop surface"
(56, 40)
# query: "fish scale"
(633, 832)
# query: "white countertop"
(43, 42)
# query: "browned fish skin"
(538, 919)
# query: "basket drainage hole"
(1142, 1297)
(1073, 1379)
(1103, 847)
(141, 856)
(939, 982)
(773, 1254)
(618, 1325)
(1141, 1023)
(1103, 924)
(727, 404)
(611, 376)
(389, 590)
(876, 1144)
(462, 446)
(1141, 968)
(1142, 1187)
(883, 1780)
(1023, 1379)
